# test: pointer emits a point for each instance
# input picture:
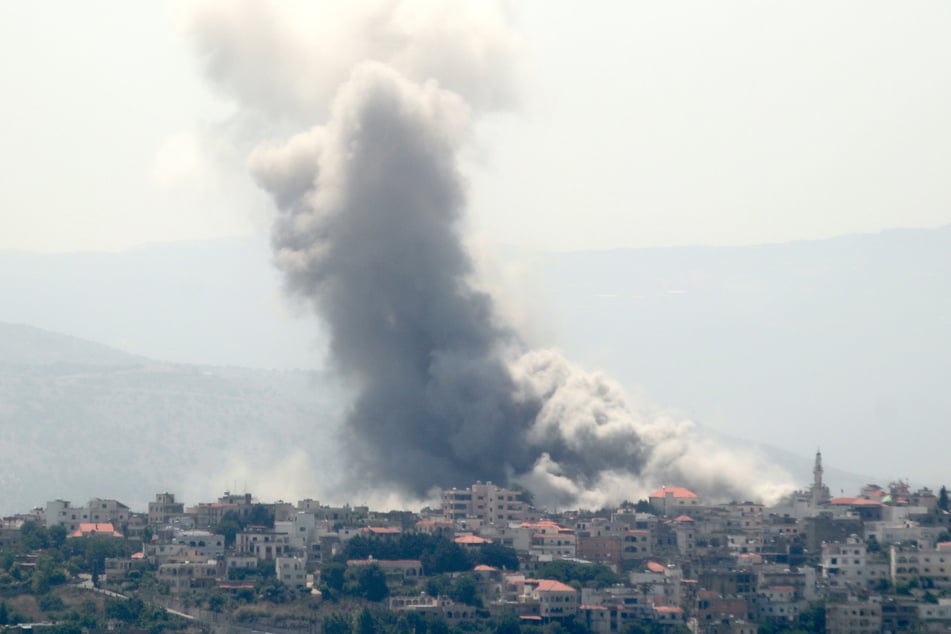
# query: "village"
(876, 562)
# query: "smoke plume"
(368, 232)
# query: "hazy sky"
(638, 124)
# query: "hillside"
(81, 420)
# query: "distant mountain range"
(839, 344)
(79, 420)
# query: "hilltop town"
(487, 560)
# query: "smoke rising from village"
(369, 233)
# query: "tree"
(332, 575)
(260, 515)
(56, 535)
(366, 624)
(595, 575)
(466, 590)
(34, 535)
(497, 555)
(337, 624)
(368, 582)
(643, 506)
(943, 499)
(508, 625)
(447, 557)
(229, 526)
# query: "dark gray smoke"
(369, 234)
(372, 240)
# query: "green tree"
(496, 555)
(337, 624)
(260, 515)
(508, 625)
(593, 575)
(371, 583)
(216, 602)
(466, 590)
(56, 535)
(447, 557)
(33, 535)
(644, 506)
(438, 626)
(366, 624)
(332, 575)
(229, 526)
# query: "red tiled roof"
(236, 585)
(138, 555)
(550, 585)
(485, 568)
(471, 540)
(653, 566)
(542, 524)
(381, 530)
(668, 609)
(100, 528)
(683, 518)
(675, 492)
(854, 502)
(782, 588)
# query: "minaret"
(817, 487)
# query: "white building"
(291, 571)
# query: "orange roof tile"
(675, 492)
(550, 585)
(653, 566)
(100, 528)
(470, 540)
(854, 502)
(381, 530)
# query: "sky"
(638, 124)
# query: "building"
(928, 567)
(853, 617)
(672, 501)
(263, 543)
(164, 508)
(291, 571)
(97, 511)
(551, 540)
(487, 502)
(556, 600)
(845, 564)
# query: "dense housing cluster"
(876, 562)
